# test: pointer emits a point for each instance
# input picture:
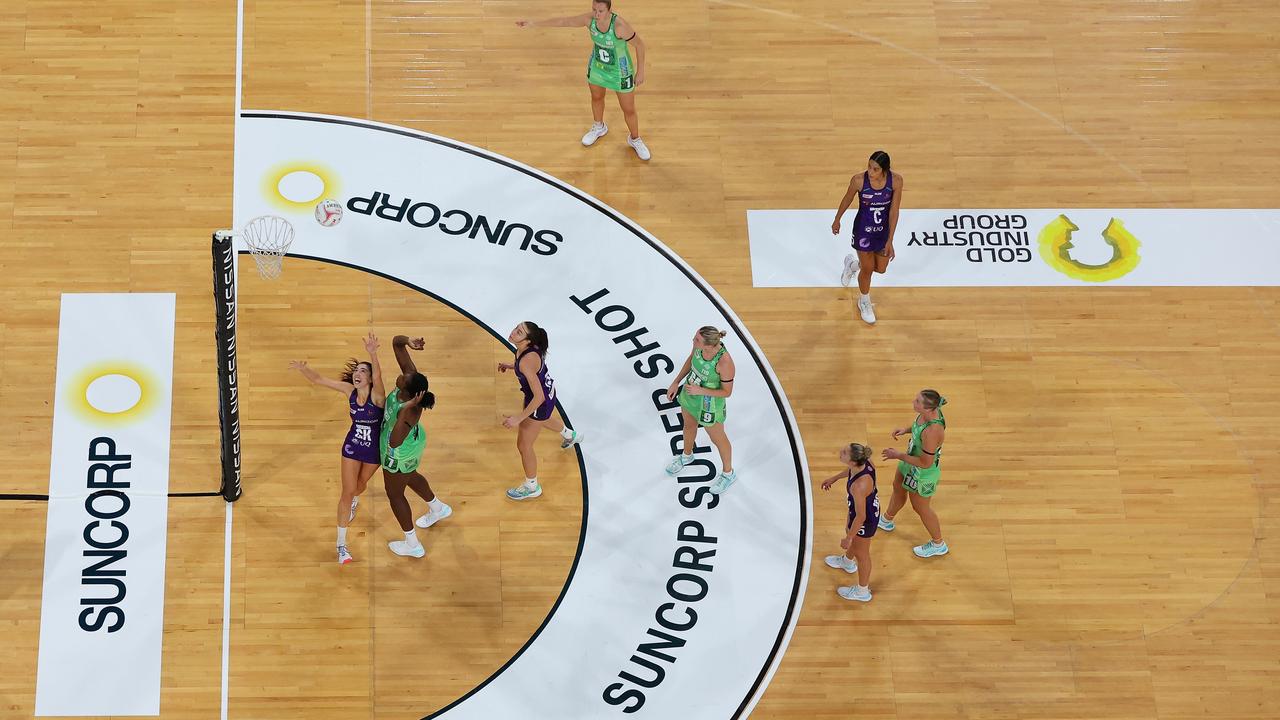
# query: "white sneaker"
(355, 502)
(841, 562)
(431, 518)
(853, 593)
(850, 268)
(887, 525)
(642, 150)
(522, 492)
(401, 548)
(344, 557)
(597, 131)
(868, 315)
(566, 443)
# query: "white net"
(268, 238)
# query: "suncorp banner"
(102, 610)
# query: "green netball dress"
(405, 458)
(922, 481)
(708, 410)
(610, 65)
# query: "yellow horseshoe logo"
(1055, 247)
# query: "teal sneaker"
(887, 525)
(523, 492)
(930, 549)
(677, 464)
(723, 482)
(568, 442)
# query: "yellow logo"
(112, 393)
(1055, 247)
(299, 185)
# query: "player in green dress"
(402, 442)
(919, 469)
(610, 67)
(707, 378)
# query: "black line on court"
(768, 377)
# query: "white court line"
(239, 54)
(368, 59)
(226, 609)
(226, 550)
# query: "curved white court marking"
(678, 604)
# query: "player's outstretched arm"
(571, 21)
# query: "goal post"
(224, 299)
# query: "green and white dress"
(610, 66)
(922, 481)
(405, 457)
(707, 410)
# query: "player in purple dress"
(879, 194)
(361, 383)
(864, 517)
(539, 392)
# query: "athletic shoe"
(355, 501)
(344, 557)
(887, 525)
(566, 443)
(850, 269)
(930, 549)
(864, 308)
(841, 562)
(431, 518)
(522, 492)
(642, 150)
(597, 131)
(401, 548)
(723, 482)
(677, 464)
(853, 593)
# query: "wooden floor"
(1110, 494)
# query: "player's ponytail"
(415, 384)
(711, 335)
(932, 399)
(537, 337)
(859, 453)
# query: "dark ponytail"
(537, 337)
(881, 158)
(417, 383)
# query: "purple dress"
(873, 504)
(871, 224)
(548, 406)
(366, 428)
